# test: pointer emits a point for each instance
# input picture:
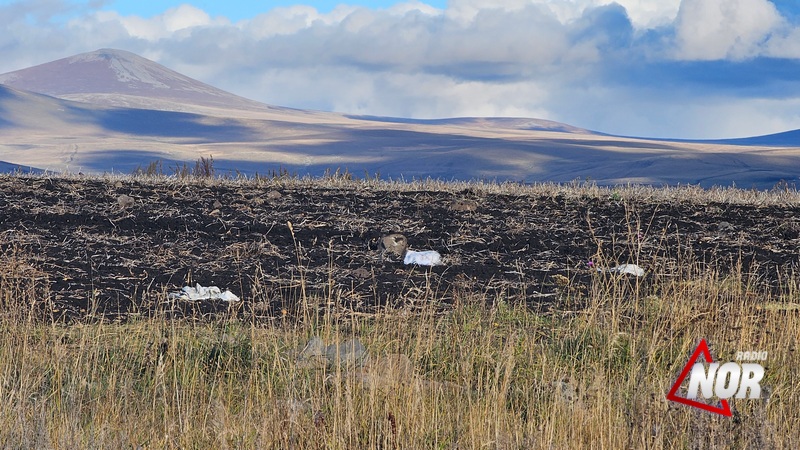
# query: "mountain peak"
(129, 68)
(119, 78)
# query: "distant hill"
(112, 77)
(784, 139)
(113, 111)
(511, 123)
(16, 168)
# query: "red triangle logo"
(724, 409)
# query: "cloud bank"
(661, 68)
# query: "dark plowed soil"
(94, 254)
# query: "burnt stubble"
(104, 257)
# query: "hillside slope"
(113, 111)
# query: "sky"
(655, 68)
(239, 10)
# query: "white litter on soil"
(204, 293)
(423, 258)
(630, 269)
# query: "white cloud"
(649, 13)
(643, 13)
(172, 21)
(280, 21)
(645, 111)
(785, 44)
(635, 67)
(184, 16)
(720, 29)
(414, 6)
(466, 10)
(353, 91)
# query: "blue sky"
(658, 68)
(239, 10)
(789, 8)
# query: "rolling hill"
(113, 111)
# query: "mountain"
(113, 111)
(112, 77)
(784, 139)
(510, 123)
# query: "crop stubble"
(99, 255)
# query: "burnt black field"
(93, 255)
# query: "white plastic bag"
(423, 258)
(630, 269)
(204, 293)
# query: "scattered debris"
(423, 258)
(630, 269)
(171, 237)
(725, 227)
(362, 273)
(125, 201)
(397, 244)
(204, 293)
(394, 243)
(463, 205)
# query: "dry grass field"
(517, 341)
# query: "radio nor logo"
(723, 381)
